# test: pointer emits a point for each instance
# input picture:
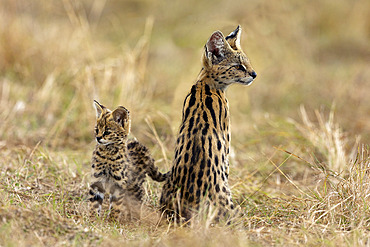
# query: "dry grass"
(301, 175)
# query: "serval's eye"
(241, 67)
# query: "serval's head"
(225, 62)
(111, 126)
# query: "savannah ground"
(300, 132)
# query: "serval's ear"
(99, 108)
(215, 49)
(122, 116)
(234, 38)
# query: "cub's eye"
(241, 67)
(106, 132)
(96, 131)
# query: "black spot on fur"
(182, 128)
(191, 168)
(198, 194)
(210, 147)
(192, 179)
(181, 147)
(191, 124)
(199, 182)
(191, 189)
(187, 111)
(205, 117)
(186, 158)
(217, 188)
(203, 143)
(188, 145)
(185, 169)
(193, 96)
(202, 166)
(209, 102)
(220, 110)
(183, 179)
(191, 198)
(207, 90)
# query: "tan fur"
(199, 175)
(119, 165)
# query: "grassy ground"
(300, 132)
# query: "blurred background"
(57, 56)
(300, 133)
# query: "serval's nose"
(253, 74)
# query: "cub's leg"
(117, 200)
(97, 192)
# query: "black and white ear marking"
(216, 47)
(99, 108)
(121, 116)
(234, 38)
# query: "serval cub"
(119, 166)
(199, 175)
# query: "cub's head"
(111, 126)
(225, 60)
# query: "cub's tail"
(141, 157)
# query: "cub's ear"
(215, 49)
(121, 116)
(99, 108)
(234, 38)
